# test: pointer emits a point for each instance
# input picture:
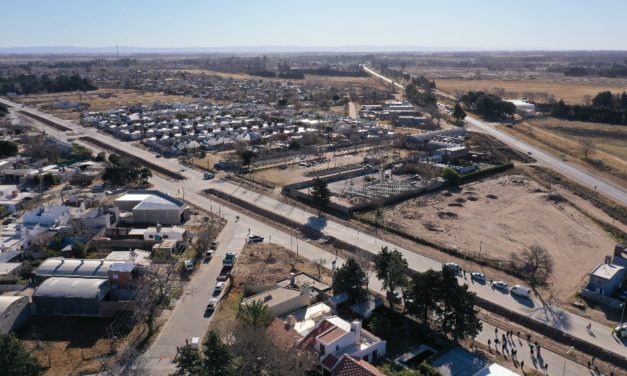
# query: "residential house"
(606, 278)
(334, 337)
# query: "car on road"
(213, 303)
(478, 276)
(621, 331)
(229, 259)
(501, 285)
(219, 286)
(530, 153)
(524, 292)
(452, 267)
(255, 239)
(214, 245)
(158, 156)
(209, 255)
(209, 176)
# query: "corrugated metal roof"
(70, 287)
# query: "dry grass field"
(507, 214)
(98, 100)
(309, 81)
(563, 138)
(570, 91)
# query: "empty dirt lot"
(504, 215)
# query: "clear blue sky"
(452, 24)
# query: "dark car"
(255, 239)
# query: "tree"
(124, 171)
(215, 359)
(81, 152)
(81, 180)
(458, 113)
(391, 268)
(8, 149)
(256, 314)
(451, 176)
(320, 194)
(247, 156)
(437, 297)
(351, 280)
(78, 250)
(535, 264)
(4, 110)
(15, 360)
(587, 146)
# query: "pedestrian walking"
(546, 367)
(504, 338)
(518, 333)
(528, 337)
(496, 331)
(489, 343)
(522, 364)
(593, 358)
(588, 365)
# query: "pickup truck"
(225, 273)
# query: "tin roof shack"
(151, 208)
(63, 296)
(14, 310)
(606, 278)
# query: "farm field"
(570, 91)
(507, 214)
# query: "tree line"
(420, 91)
(33, 84)
(489, 106)
(613, 71)
(605, 107)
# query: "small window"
(321, 349)
(150, 236)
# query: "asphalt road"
(610, 190)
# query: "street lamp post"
(565, 359)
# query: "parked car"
(225, 273)
(209, 255)
(255, 239)
(229, 259)
(209, 176)
(219, 286)
(478, 276)
(621, 331)
(524, 292)
(501, 285)
(189, 265)
(452, 266)
(213, 303)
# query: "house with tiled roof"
(351, 366)
(334, 337)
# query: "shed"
(14, 310)
(70, 296)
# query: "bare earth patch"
(504, 215)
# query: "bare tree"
(256, 352)
(534, 263)
(154, 292)
(587, 100)
(587, 147)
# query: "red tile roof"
(349, 366)
(282, 335)
(332, 335)
(310, 339)
(330, 361)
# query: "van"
(521, 291)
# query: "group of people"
(507, 338)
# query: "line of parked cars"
(517, 290)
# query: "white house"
(48, 216)
(335, 337)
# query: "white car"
(219, 286)
(213, 303)
(524, 292)
(478, 276)
(501, 285)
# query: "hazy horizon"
(367, 25)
